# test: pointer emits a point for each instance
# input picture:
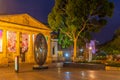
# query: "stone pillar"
(4, 57)
(30, 53)
(54, 44)
(4, 43)
(18, 45)
(49, 57)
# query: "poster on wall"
(0, 40)
(11, 38)
(24, 44)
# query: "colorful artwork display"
(1, 40)
(11, 38)
(24, 44)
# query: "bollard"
(17, 64)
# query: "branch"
(73, 33)
(91, 24)
(65, 33)
(84, 25)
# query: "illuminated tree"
(76, 17)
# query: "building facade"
(17, 36)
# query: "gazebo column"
(49, 57)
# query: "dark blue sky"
(40, 9)
(107, 32)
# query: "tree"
(75, 18)
(64, 41)
(113, 46)
(115, 42)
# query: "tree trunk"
(75, 49)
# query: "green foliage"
(64, 41)
(115, 43)
(99, 58)
(113, 63)
(101, 53)
(92, 62)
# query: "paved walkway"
(27, 73)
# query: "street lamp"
(90, 54)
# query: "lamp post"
(90, 54)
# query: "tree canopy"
(113, 46)
(77, 18)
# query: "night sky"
(107, 32)
(40, 9)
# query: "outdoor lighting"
(81, 50)
(90, 48)
(66, 55)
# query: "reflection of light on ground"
(86, 75)
(59, 70)
(67, 75)
(82, 73)
(92, 74)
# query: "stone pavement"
(53, 73)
